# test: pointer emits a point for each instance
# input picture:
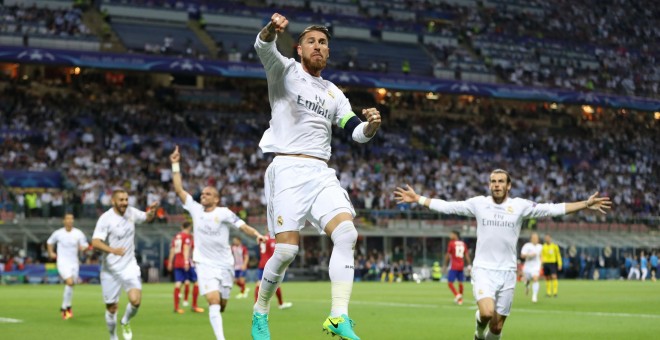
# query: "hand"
(599, 203)
(373, 118)
(52, 256)
(405, 195)
(278, 23)
(261, 238)
(118, 251)
(153, 206)
(186, 265)
(169, 267)
(175, 157)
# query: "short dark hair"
(317, 28)
(502, 171)
(455, 232)
(118, 191)
(186, 225)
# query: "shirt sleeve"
(192, 206)
(139, 216)
(101, 229)
(53, 238)
(464, 208)
(533, 209)
(274, 62)
(82, 240)
(233, 219)
(344, 110)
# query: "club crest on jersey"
(280, 221)
(509, 209)
(331, 94)
(216, 219)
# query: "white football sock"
(68, 296)
(341, 266)
(111, 322)
(535, 288)
(129, 313)
(480, 330)
(273, 275)
(216, 321)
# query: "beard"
(121, 209)
(314, 65)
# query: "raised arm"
(252, 232)
(602, 204)
(276, 25)
(175, 158)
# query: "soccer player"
(266, 250)
(114, 235)
(69, 241)
(551, 258)
(499, 218)
(241, 260)
(643, 265)
(654, 265)
(299, 185)
(457, 251)
(531, 253)
(180, 263)
(212, 253)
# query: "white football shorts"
(531, 271)
(302, 189)
(112, 282)
(498, 285)
(68, 270)
(211, 278)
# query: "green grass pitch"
(583, 310)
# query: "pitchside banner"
(147, 63)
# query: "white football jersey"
(68, 243)
(303, 107)
(498, 226)
(119, 232)
(530, 248)
(211, 234)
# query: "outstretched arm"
(409, 195)
(175, 157)
(253, 232)
(602, 204)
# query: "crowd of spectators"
(102, 137)
(614, 38)
(38, 20)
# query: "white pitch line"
(9, 320)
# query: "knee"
(345, 233)
(112, 308)
(285, 254)
(486, 316)
(496, 327)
